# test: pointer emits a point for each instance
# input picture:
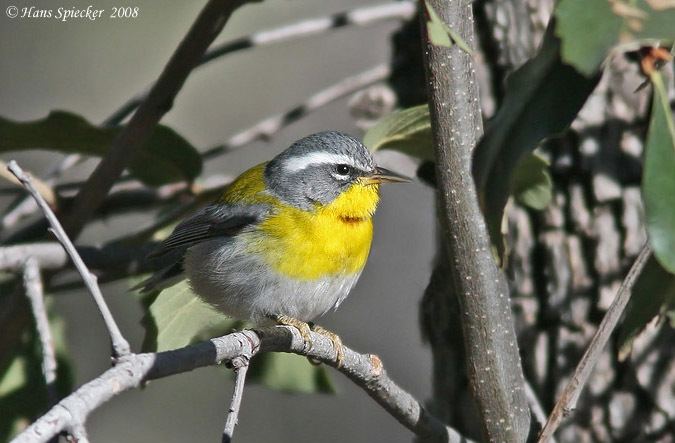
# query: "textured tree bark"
(566, 262)
(490, 345)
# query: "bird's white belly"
(242, 285)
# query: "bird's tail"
(161, 279)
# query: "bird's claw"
(335, 340)
(301, 326)
(305, 330)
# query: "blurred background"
(567, 260)
(91, 68)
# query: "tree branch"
(119, 344)
(159, 100)
(570, 395)
(45, 188)
(491, 348)
(365, 370)
(32, 283)
(240, 365)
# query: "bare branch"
(47, 256)
(364, 370)
(570, 395)
(119, 343)
(264, 129)
(32, 282)
(24, 206)
(159, 100)
(240, 365)
(535, 405)
(79, 434)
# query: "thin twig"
(264, 129)
(119, 344)
(79, 433)
(570, 395)
(535, 405)
(365, 370)
(240, 370)
(206, 28)
(45, 189)
(32, 282)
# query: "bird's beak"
(382, 175)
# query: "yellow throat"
(330, 240)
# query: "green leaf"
(23, 392)
(406, 130)
(590, 29)
(176, 317)
(653, 294)
(166, 157)
(531, 184)
(542, 98)
(658, 181)
(290, 373)
(440, 34)
(179, 318)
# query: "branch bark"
(365, 370)
(32, 282)
(119, 343)
(240, 369)
(493, 361)
(570, 395)
(206, 28)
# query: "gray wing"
(210, 222)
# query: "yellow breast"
(330, 240)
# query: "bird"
(287, 240)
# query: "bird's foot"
(335, 340)
(304, 328)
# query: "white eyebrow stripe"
(295, 164)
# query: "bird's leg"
(300, 325)
(334, 339)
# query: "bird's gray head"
(318, 168)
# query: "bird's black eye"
(343, 169)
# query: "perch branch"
(240, 365)
(119, 343)
(158, 101)
(364, 370)
(491, 348)
(32, 283)
(570, 395)
(264, 129)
